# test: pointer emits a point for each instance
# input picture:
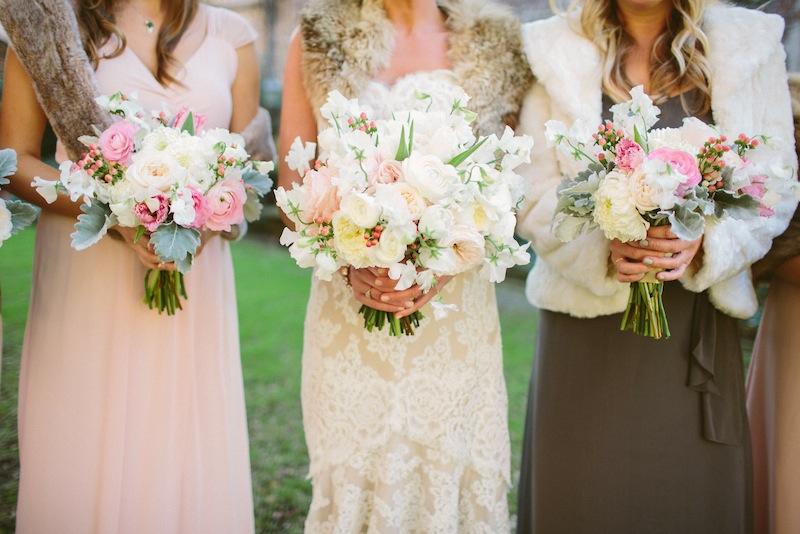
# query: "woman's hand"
(143, 249)
(661, 251)
(441, 281)
(373, 287)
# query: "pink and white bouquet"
(169, 178)
(416, 193)
(14, 214)
(635, 177)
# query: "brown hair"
(678, 59)
(97, 25)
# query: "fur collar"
(346, 42)
(568, 64)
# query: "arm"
(245, 89)
(22, 125)
(584, 261)
(789, 270)
(731, 246)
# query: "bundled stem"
(645, 314)
(376, 319)
(163, 290)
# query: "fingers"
(668, 264)
(629, 279)
(419, 303)
(366, 276)
(367, 295)
(403, 298)
(666, 246)
(668, 276)
(661, 232)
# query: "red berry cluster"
(710, 161)
(744, 143)
(373, 236)
(362, 123)
(99, 168)
(607, 138)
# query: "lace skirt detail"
(406, 434)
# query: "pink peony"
(683, 163)
(201, 208)
(151, 219)
(225, 204)
(116, 142)
(629, 155)
(323, 196)
(757, 189)
(183, 114)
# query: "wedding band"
(618, 261)
(161, 265)
(368, 293)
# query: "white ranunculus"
(154, 171)
(434, 179)
(616, 214)
(361, 209)
(5, 222)
(435, 221)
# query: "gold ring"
(619, 260)
(161, 265)
(368, 293)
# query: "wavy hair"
(97, 26)
(678, 58)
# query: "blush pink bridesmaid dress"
(131, 422)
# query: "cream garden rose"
(616, 212)
(430, 176)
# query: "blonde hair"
(678, 62)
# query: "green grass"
(272, 295)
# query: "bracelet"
(345, 272)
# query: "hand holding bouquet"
(168, 179)
(417, 194)
(636, 179)
(14, 214)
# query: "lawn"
(272, 294)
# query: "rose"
(349, 240)
(361, 209)
(468, 247)
(225, 204)
(629, 155)
(152, 212)
(392, 246)
(386, 172)
(430, 176)
(117, 141)
(435, 221)
(322, 199)
(642, 194)
(5, 222)
(615, 212)
(155, 171)
(683, 163)
(401, 203)
(198, 120)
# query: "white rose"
(361, 209)
(155, 171)
(641, 192)
(468, 247)
(5, 222)
(616, 213)
(392, 246)
(430, 176)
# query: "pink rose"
(116, 142)
(683, 163)
(152, 218)
(198, 119)
(323, 196)
(757, 189)
(629, 155)
(385, 171)
(225, 204)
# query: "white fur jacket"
(749, 94)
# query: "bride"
(404, 435)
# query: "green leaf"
(188, 124)
(92, 225)
(735, 205)
(140, 230)
(176, 243)
(402, 149)
(637, 137)
(22, 214)
(258, 182)
(411, 138)
(687, 221)
(8, 164)
(461, 158)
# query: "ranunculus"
(616, 214)
(683, 163)
(323, 196)
(5, 222)
(629, 155)
(152, 212)
(361, 209)
(117, 141)
(429, 175)
(225, 204)
(155, 171)
(198, 120)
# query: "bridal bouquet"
(635, 177)
(14, 214)
(167, 177)
(417, 193)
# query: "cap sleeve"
(231, 27)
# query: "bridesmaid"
(624, 433)
(773, 396)
(409, 434)
(131, 422)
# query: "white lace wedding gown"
(406, 435)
